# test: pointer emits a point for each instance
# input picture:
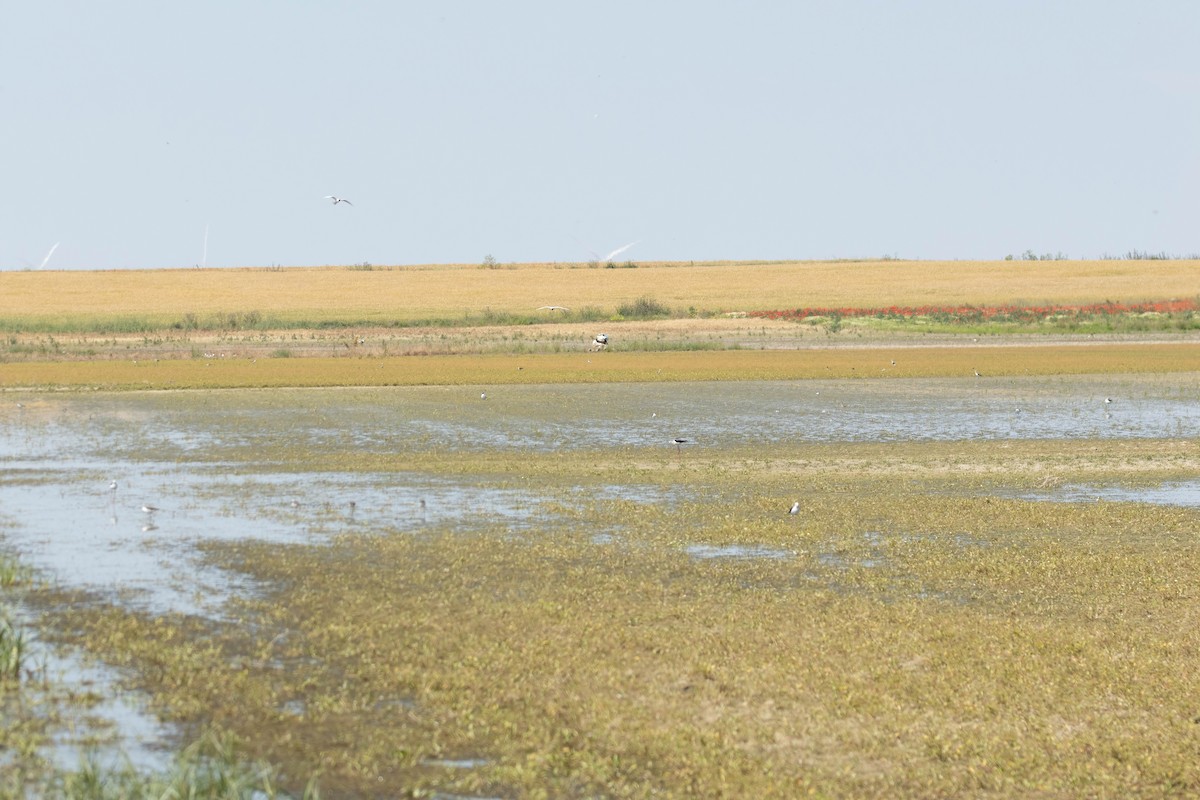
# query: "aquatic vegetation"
(13, 572)
(926, 635)
(209, 767)
(13, 651)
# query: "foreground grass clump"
(919, 630)
(14, 651)
(211, 768)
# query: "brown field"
(416, 293)
(839, 362)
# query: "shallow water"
(736, 551)
(405, 419)
(1171, 493)
(196, 455)
(199, 458)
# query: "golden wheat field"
(411, 293)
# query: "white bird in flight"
(553, 308)
(335, 199)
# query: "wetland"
(989, 588)
(398, 532)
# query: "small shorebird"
(335, 199)
(678, 442)
(795, 508)
(150, 509)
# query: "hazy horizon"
(142, 135)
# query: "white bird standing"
(335, 199)
(795, 508)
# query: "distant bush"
(643, 308)
(1029, 255)
(241, 319)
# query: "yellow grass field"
(412, 293)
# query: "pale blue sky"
(543, 131)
